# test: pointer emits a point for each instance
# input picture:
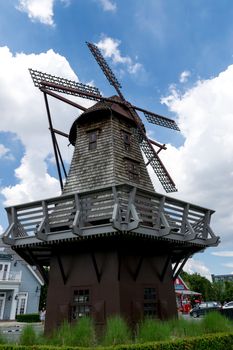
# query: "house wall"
(13, 287)
(30, 285)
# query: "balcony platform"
(107, 213)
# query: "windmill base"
(106, 278)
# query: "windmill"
(48, 83)
(112, 244)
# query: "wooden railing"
(123, 207)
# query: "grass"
(116, 332)
(180, 328)
(28, 336)
(153, 330)
(82, 333)
(2, 339)
(215, 322)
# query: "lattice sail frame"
(46, 81)
(69, 87)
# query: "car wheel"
(195, 315)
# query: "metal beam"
(63, 99)
(53, 140)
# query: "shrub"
(62, 335)
(215, 322)
(83, 333)
(28, 318)
(185, 328)
(28, 336)
(2, 339)
(153, 330)
(116, 332)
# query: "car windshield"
(203, 305)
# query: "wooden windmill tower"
(113, 245)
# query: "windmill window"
(81, 303)
(126, 139)
(133, 169)
(92, 139)
(150, 302)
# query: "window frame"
(133, 169)
(92, 139)
(126, 136)
(150, 304)
(80, 308)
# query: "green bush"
(215, 322)
(2, 339)
(82, 333)
(28, 336)
(116, 332)
(29, 318)
(153, 330)
(62, 335)
(180, 328)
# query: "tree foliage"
(220, 291)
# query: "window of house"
(92, 139)
(126, 139)
(81, 303)
(21, 303)
(133, 169)
(150, 302)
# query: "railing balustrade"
(153, 210)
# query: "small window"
(133, 170)
(81, 303)
(126, 139)
(92, 139)
(149, 302)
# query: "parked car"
(205, 307)
(228, 305)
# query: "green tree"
(199, 284)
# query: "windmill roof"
(104, 107)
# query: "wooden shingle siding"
(134, 153)
(91, 169)
(107, 164)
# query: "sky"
(172, 57)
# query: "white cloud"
(23, 113)
(197, 266)
(203, 166)
(184, 76)
(223, 254)
(108, 5)
(228, 265)
(110, 49)
(38, 10)
(33, 180)
(4, 152)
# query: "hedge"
(28, 318)
(218, 341)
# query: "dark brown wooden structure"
(113, 245)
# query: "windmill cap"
(104, 107)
